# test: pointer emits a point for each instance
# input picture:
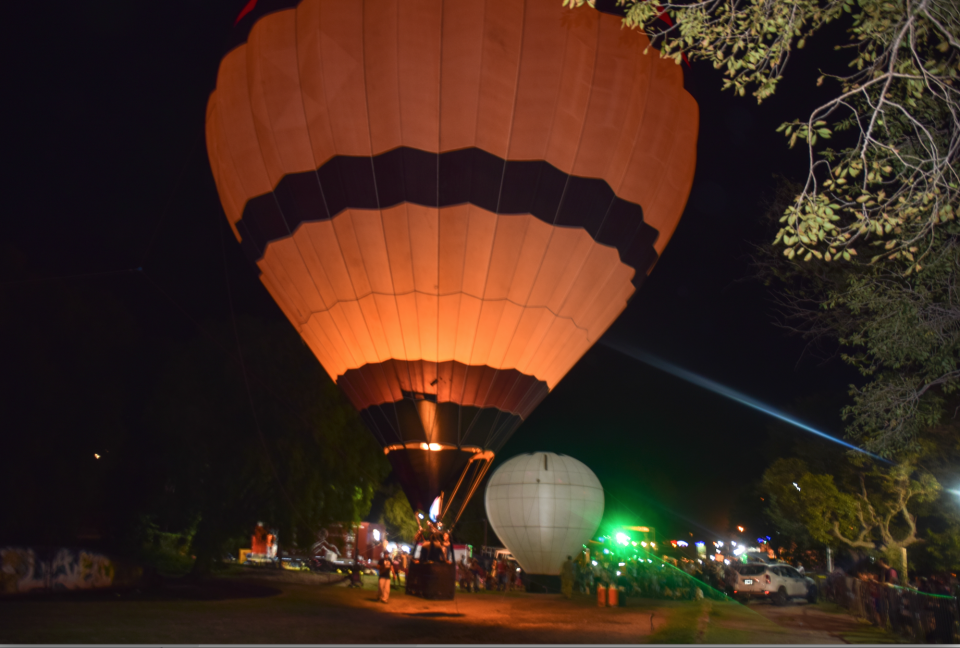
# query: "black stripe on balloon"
(240, 33)
(423, 473)
(409, 175)
(479, 422)
(506, 389)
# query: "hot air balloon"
(544, 507)
(451, 201)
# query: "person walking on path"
(566, 578)
(385, 569)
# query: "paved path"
(818, 626)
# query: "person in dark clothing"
(887, 573)
(384, 571)
(356, 578)
(397, 564)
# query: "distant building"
(366, 538)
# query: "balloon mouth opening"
(430, 447)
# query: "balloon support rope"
(481, 472)
(488, 456)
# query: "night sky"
(106, 183)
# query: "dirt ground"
(267, 609)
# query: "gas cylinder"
(613, 600)
(601, 595)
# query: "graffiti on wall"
(24, 570)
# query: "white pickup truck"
(779, 583)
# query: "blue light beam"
(726, 392)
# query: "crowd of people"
(487, 573)
(924, 607)
(881, 573)
(434, 543)
(633, 576)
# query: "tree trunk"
(206, 542)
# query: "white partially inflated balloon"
(544, 507)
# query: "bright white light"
(717, 388)
(795, 486)
(739, 550)
(434, 447)
(718, 543)
(653, 544)
(96, 456)
(435, 509)
(424, 446)
(518, 569)
(622, 564)
(376, 535)
(594, 562)
(405, 548)
(682, 543)
(420, 515)
(623, 538)
(713, 557)
(643, 544)
(618, 572)
(606, 551)
(649, 561)
(391, 547)
(726, 562)
(733, 542)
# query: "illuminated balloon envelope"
(450, 200)
(544, 507)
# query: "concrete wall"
(24, 569)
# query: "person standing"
(464, 574)
(356, 578)
(502, 575)
(887, 573)
(566, 578)
(478, 575)
(396, 568)
(384, 569)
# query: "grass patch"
(681, 626)
(734, 623)
(729, 636)
(871, 635)
(167, 563)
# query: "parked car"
(777, 583)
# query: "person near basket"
(384, 570)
